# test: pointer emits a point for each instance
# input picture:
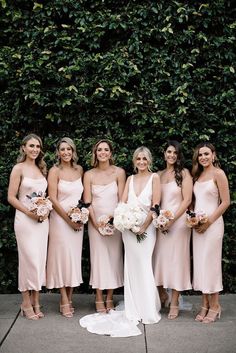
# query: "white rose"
(135, 229)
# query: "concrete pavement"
(56, 334)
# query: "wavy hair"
(179, 164)
(196, 167)
(147, 154)
(94, 161)
(71, 143)
(39, 160)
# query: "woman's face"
(205, 156)
(170, 155)
(65, 152)
(141, 162)
(103, 152)
(32, 148)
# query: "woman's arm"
(121, 182)
(13, 189)
(53, 179)
(156, 190)
(124, 197)
(156, 198)
(187, 191)
(88, 197)
(223, 187)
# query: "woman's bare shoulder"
(54, 172)
(119, 170)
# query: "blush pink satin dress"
(32, 240)
(65, 244)
(171, 256)
(207, 247)
(106, 252)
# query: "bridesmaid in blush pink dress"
(103, 187)
(65, 237)
(28, 176)
(211, 193)
(172, 251)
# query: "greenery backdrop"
(136, 72)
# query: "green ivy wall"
(136, 72)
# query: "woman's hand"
(35, 217)
(142, 229)
(169, 224)
(76, 226)
(202, 227)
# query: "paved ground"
(56, 334)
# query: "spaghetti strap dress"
(32, 240)
(106, 252)
(65, 244)
(207, 247)
(171, 256)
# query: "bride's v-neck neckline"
(143, 188)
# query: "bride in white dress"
(141, 298)
(142, 301)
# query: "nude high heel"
(72, 309)
(65, 310)
(174, 312)
(39, 313)
(28, 313)
(202, 313)
(212, 317)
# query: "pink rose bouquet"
(39, 204)
(161, 218)
(105, 225)
(195, 218)
(79, 213)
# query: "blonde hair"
(71, 143)
(94, 161)
(147, 154)
(39, 160)
(196, 167)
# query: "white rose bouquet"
(105, 225)
(161, 218)
(79, 213)
(130, 217)
(39, 204)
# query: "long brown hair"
(39, 160)
(196, 167)
(179, 164)
(94, 162)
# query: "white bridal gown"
(141, 299)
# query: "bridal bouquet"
(79, 213)
(39, 204)
(130, 217)
(105, 225)
(195, 218)
(161, 218)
